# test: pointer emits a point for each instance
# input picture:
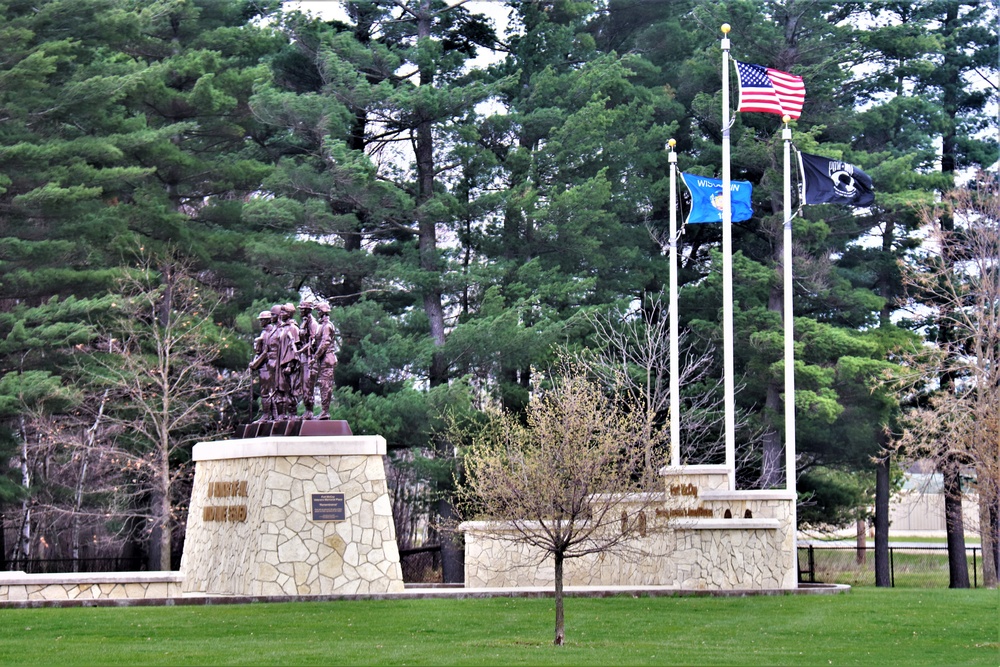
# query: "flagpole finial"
(671, 144)
(725, 28)
(786, 119)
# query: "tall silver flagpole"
(787, 316)
(729, 382)
(675, 399)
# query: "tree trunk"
(77, 505)
(773, 453)
(160, 540)
(772, 448)
(452, 554)
(164, 509)
(154, 543)
(861, 528)
(883, 578)
(166, 539)
(988, 516)
(560, 618)
(427, 227)
(883, 574)
(995, 532)
(958, 566)
(24, 538)
(81, 484)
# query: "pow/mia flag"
(827, 181)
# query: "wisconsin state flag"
(706, 199)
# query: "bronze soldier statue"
(264, 371)
(283, 348)
(307, 345)
(325, 358)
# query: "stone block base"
(291, 516)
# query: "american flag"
(769, 90)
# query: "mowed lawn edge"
(864, 626)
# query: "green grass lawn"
(863, 627)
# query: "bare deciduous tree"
(632, 354)
(961, 421)
(561, 480)
(156, 364)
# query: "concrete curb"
(427, 593)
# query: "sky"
(496, 10)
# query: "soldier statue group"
(293, 359)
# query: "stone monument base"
(291, 515)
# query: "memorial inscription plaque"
(328, 507)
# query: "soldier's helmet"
(307, 304)
(288, 308)
(265, 315)
(275, 311)
(323, 307)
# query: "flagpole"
(729, 382)
(787, 316)
(675, 399)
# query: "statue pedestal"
(291, 516)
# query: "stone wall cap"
(695, 524)
(82, 578)
(748, 494)
(348, 445)
(695, 470)
(507, 526)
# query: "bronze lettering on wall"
(694, 512)
(233, 513)
(227, 489)
(224, 513)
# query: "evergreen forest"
(474, 199)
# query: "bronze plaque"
(328, 507)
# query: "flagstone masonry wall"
(16, 586)
(252, 529)
(709, 552)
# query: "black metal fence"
(916, 566)
(58, 565)
(421, 565)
